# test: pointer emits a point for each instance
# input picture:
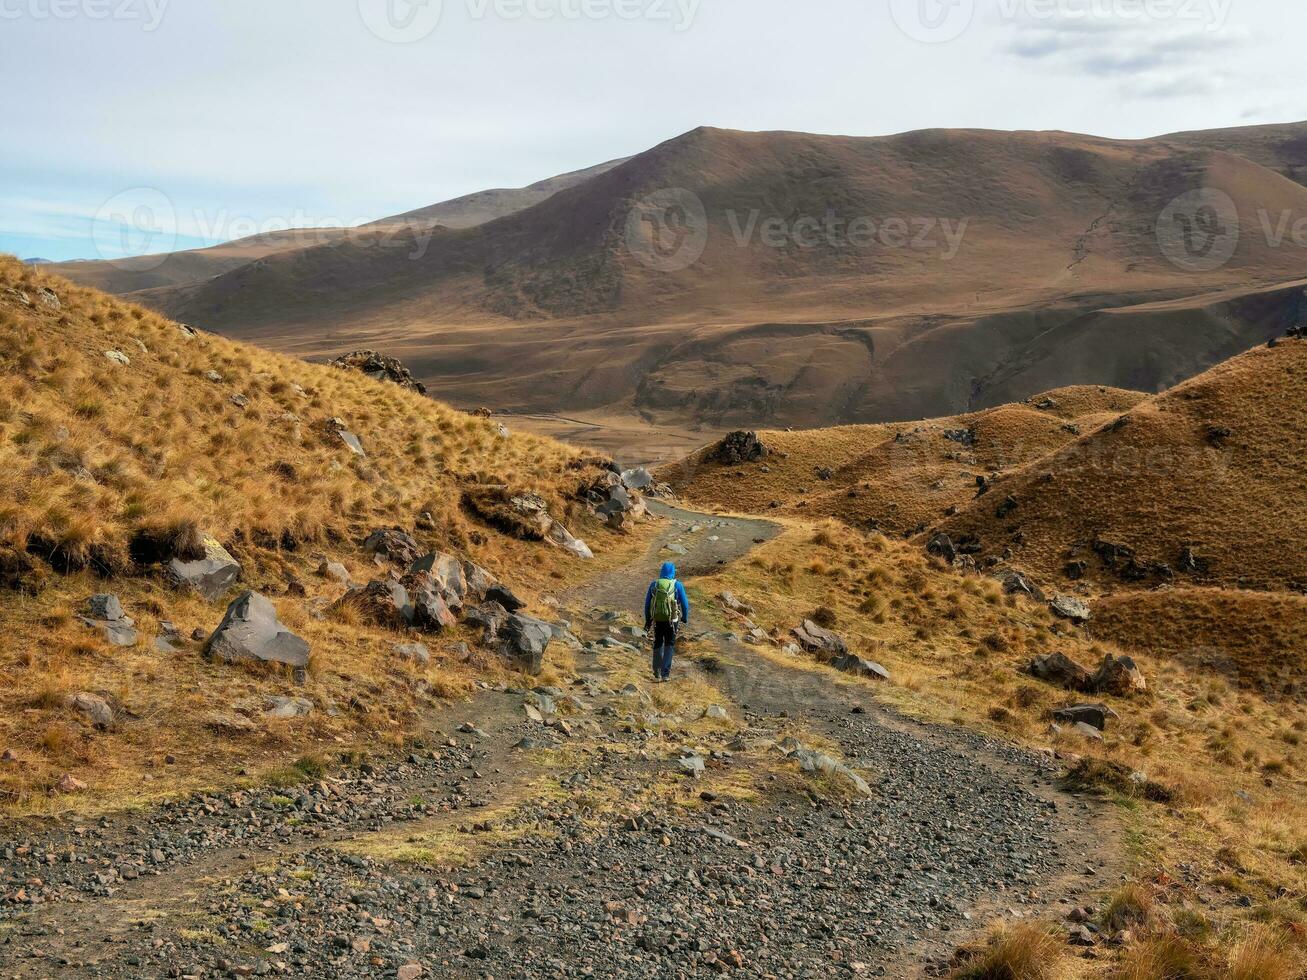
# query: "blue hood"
(669, 570)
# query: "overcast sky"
(225, 117)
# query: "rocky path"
(614, 829)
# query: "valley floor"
(563, 833)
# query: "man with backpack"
(666, 608)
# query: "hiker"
(666, 608)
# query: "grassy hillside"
(122, 435)
(1213, 466)
(900, 477)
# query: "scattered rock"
(562, 537)
(1120, 676)
(211, 576)
(1096, 715)
(228, 724)
(1069, 607)
(394, 544)
(861, 668)
(105, 613)
(820, 641)
(413, 652)
(68, 783)
(740, 447)
(250, 630)
(1057, 668)
(95, 708)
(1015, 583)
(337, 429)
(729, 601)
(446, 575)
(637, 479)
(335, 570)
(379, 367)
(118, 357)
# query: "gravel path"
(563, 858)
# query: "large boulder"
(523, 640)
(740, 447)
(251, 631)
(379, 367)
(394, 544)
(429, 607)
(211, 576)
(1014, 583)
(446, 573)
(95, 709)
(479, 581)
(1059, 669)
(105, 614)
(1094, 715)
(382, 603)
(563, 538)
(1120, 676)
(820, 641)
(1069, 607)
(637, 479)
(859, 667)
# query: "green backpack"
(665, 607)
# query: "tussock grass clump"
(1029, 951)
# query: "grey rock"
(1069, 607)
(852, 664)
(446, 575)
(822, 642)
(211, 576)
(1057, 668)
(394, 544)
(1096, 715)
(250, 630)
(505, 597)
(95, 708)
(413, 652)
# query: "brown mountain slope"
(1280, 148)
(896, 477)
(1214, 465)
(1054, 279)
(122, 437)
(130, 275)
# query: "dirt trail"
(569, 860)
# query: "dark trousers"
(664, 649)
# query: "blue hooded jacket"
(668, 571)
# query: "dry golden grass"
(102, 462)
(1214, 464)
(896, 477)
(1022, 952)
